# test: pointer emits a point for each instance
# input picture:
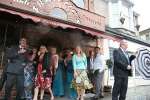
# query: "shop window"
(79, 3)
(58, 13)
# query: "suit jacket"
(121, 63)
(16, 61)
(88, 63)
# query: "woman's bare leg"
(42, 94)
(51, 93)
(79, 93)
(82, 94)
(36, 91)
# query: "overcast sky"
(143, 8)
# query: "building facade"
(145, 34)
(121, 14)
(122, 20)
(67, 23)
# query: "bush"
(109, 63)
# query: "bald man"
(121, 71)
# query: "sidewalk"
(139, 93)
(135, 93)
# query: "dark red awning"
(57, 23)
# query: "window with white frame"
(59, 13)
(79, 3)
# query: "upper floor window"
(58, 13)
(79, 3)
(147, 36)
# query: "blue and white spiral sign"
(142, 63)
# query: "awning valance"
(53, 22)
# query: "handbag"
(78, 80)
(96, 72)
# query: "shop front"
(53, 23)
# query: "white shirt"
(91, 63)
(98, 63)
(125, 54)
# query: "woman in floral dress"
(43, 78)
(81, 81)
(28, 76)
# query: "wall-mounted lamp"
(137, 27)
(122, 19)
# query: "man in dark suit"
(17, 58)
(121, 72)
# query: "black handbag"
(130, 73)
(131, 58)
(96, 72)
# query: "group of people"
(38, 71)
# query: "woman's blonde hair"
(81, 51)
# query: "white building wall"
(143, 37)
(131, 20)
(125, 14)
(114, 14)
(119, 9)
(101, 8)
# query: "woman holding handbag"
(81, 81)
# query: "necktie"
(126, 54)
